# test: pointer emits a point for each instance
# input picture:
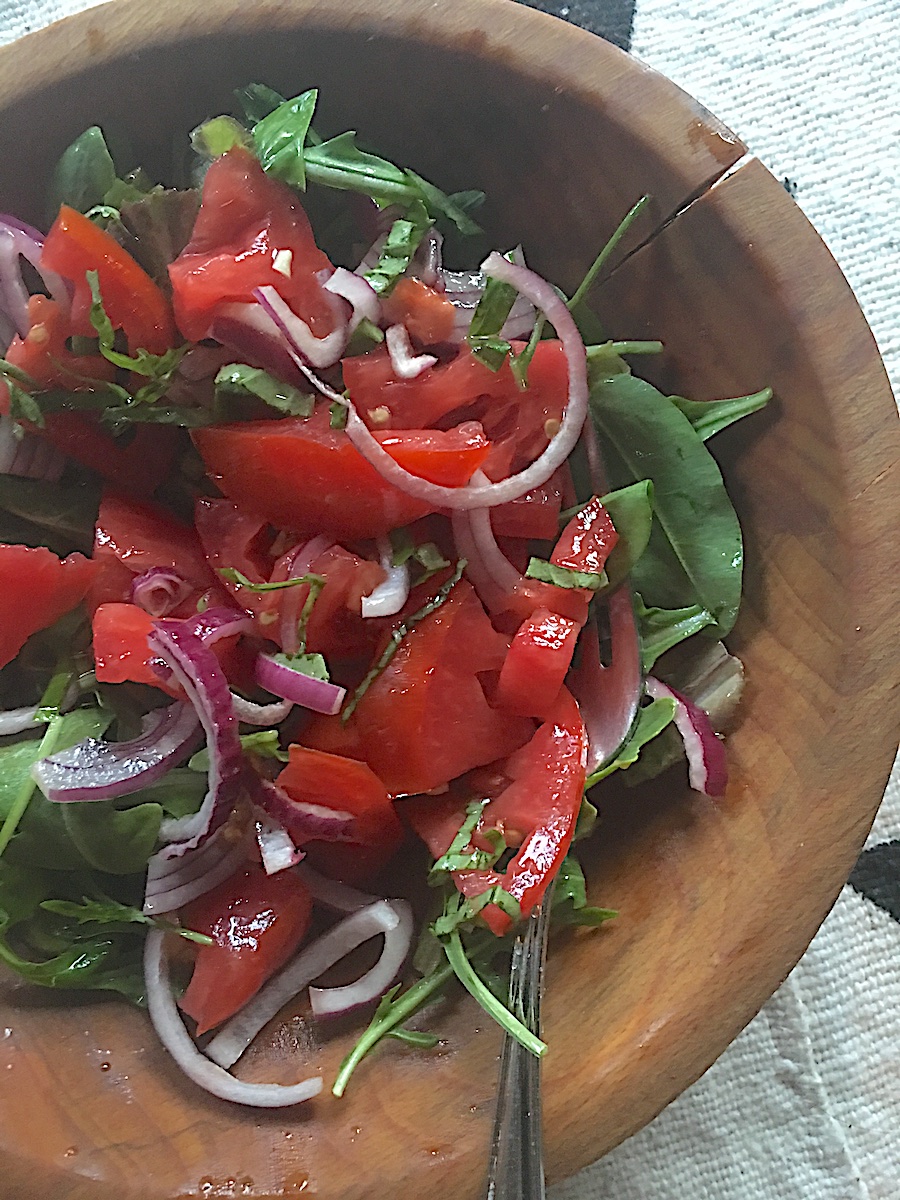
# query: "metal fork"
(516, 1163)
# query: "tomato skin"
(428, 316)
(587, 541)
(256, 922)
(121, 651)
(537, 663)
(232, 538)
(421, 402)
(141, 536)
(44, 355)
(133, 302)
(245, 217)
(36, 589)
(302, 475)
(534, 515)
(536, 811)
(346, 785)
(425, 720)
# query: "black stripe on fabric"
(877, 876)
(611, 19)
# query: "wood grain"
(717, 901)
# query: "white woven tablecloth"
(806, 1104)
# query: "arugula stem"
(401, 1009)
(466, 975)
(603, 257)
(26, 791)
(610, 349)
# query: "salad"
(309, 558)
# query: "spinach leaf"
(709, 417)
(109, 840)
(662, 628)
(646, 436)
(84, 174)
(570, 906)
(66, 514)
(219, 135)
(651, 721)
(565, 577)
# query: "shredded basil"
(565, 577)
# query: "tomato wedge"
(44, 354)
(245, 219)
(536, 812)
(303, 475)
(587, 541)
(36, 589)
(425, 720)
(121, 652)
(256, 922)
(133, 302)
(536, 665)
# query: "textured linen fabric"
(805, 1105)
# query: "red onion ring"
(358, 293)
(405, 364)
(332, 1002)
(173, 1035)
(159, 590)
(250, 713)
(319, 352)
(392, 593)
(303, 820)
(98, 770)
(707, 763)
(17, 720)
(315, 958)
(276, 849)
(174, 882)
(197, 669)
(316, 694)
(544, 297)
(339, 897)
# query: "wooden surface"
(717, 902)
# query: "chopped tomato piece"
(421, 402)
(303, 475)
(36, 589)
(521, 429)
(133, 302)
(135, 467)
(428, 316)
(245, 220)
(233, 539)
(536, 812)
(536, 665)
(534, 515)
(121, 651)
(256, 922)
(44, 354)
(425, 719)
(336, 626)
(141, 536)
(587, 541)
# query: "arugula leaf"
(696, 546)
(240, 379)
(397, 636)
(565, 577)
(468, 977)
(580, 294)
(587, 819)
(106, 911)
(281, 136)
(662, 628)
(399, 247)
(650, 722)
(460, 911)
(416, 1038)
(570, 906)
(709, 417)
(218, 135)
(263, 743)
(257, 100)
(84, 174)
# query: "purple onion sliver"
(318, 352)
(250, 713)
(707, 763)
(17, 720)
(334, 1001)
(404, 363)
(159, 590)
(167, 893)
(358, 293)
(276, 849)
(330, 893)
(98, 770)
(304, 820)
(316, 694)
(315, 958)
(12, 289)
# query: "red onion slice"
(316, 694)
(313, 960)
(464, 290)
(18, 240)
(392, 593)
(98, 770)
(159, 590)
(174, 882)
(197, 669)
(173, 1035)
(17, 720)
(405, 364)
(319, 352)
(497, 565)
(487, 495)
(358, 293)
(304, 820)
(707, 763)
(276, 848)
(492, 596)
(331, 1002)
(250, 713)
(253, 335)
(28, 456)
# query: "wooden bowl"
(717, 901)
